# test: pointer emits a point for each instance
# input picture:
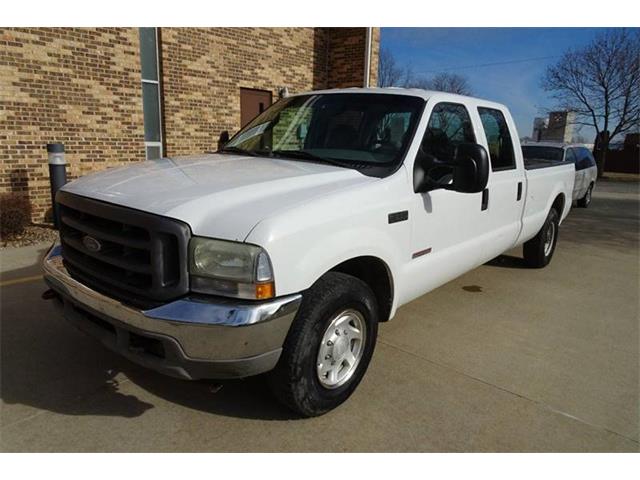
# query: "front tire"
(539, 250)
(329, 346)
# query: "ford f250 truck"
(282, 252)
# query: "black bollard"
(57, 175)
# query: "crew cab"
(282, 252)
(543, 153)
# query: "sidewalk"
(21, 262)
(621, 177)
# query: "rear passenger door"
(505, 193)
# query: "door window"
(498, 139)
(448, 127)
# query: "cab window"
(448, 127)
(498, 139)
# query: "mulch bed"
(32, 235)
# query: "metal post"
(57, 175)
(367, 57)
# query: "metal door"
(252, 103)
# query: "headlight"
(230, 268)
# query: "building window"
(151, 100)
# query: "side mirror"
(471, 171)
(223, 139)
(468, 172)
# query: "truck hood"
(221, 196)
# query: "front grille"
(139, 258)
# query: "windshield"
(551, 154)
(347, 129)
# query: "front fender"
(299, 262)
(308, 240)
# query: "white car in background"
(542, 154)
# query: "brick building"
(118, 95)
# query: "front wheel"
(539, 250)
(329, 345)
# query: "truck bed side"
(546, 184)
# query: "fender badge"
(421, 253)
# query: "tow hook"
(214, 387)
(49, 294)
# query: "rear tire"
(302, 380)
(539, 250)
(586, 200)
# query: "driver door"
(448, 226)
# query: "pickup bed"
(282, 252)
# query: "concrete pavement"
(502, 359)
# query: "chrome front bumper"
(189, 338)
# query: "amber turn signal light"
(265, 290)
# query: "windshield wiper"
(239, 150)
(304, 155)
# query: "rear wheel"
(586, 200)
(329, 345)
(539, 250)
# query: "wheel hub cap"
(341, 349)
(548, 238)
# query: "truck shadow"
(248, 398)
(507, 261)
(47, 365)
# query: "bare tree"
(390, 74)
(601, 84)
(449, 82)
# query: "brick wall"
(375, 57)
(76, 86)
(204, 69)
(346, 57)
(82, 87)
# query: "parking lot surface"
(503, 358)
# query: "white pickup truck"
(282, 252)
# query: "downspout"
(367, 57)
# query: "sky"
(467, 51)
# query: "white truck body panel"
(221, 196)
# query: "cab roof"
(414, 92)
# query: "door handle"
(485, 199)
(519, 191)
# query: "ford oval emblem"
(91, 244)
